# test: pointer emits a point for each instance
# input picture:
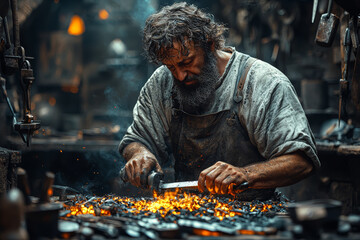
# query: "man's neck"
(222, 59)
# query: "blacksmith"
(221, 116)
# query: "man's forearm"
(281, 171)
(135, 148)
(139, 162)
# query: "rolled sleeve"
(150, 119)
(274, 117)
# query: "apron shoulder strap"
(240, 81)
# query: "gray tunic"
(269, 111)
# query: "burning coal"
(168, 205)
(173, 213)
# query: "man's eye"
(171, 68)
(186, 63)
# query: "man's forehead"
(179, 51)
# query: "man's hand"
(217, 178)
(140, 161)
(281, 171)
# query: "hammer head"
(154, 180)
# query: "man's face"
(195, 75)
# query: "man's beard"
(194, 98)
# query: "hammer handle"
(153, 179)
(242, 186)
(123, 175)
(239, 188)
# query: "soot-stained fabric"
(269, 111)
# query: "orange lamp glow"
(103, 14)
(203, 232)
(77, 26)
(52, 101)
(50, 191)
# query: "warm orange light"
(203, 232)
(103, 14)
(77, 26)
(50, 192)
(82, 209)
(52, 101)
(246, 232)
(74, 89)
(71, 89)
(168, 203)
(65, 235)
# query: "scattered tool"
(23, 185)
(46, 188)
(156, 183)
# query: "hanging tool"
(4, 92)
(351, 6)
(14, 60)
(327, 27)
(344, 84)
(355, 81)
(314, 10)
(353, 26)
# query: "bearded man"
(221, 116)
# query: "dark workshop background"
(88, 77)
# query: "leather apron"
(199, 141)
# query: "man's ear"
(211, 45)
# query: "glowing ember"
(169, 204)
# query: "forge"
(173, 214)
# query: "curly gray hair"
(180, 22)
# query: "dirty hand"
(218, 178)
(139, 166)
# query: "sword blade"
(182, 185)
(194, 185)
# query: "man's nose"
(181, 74)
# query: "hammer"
(153, 180)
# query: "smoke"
(114, 102)
(98, 168)
(142, 10)
(118, 109)
(89, 172)
(104, 166)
